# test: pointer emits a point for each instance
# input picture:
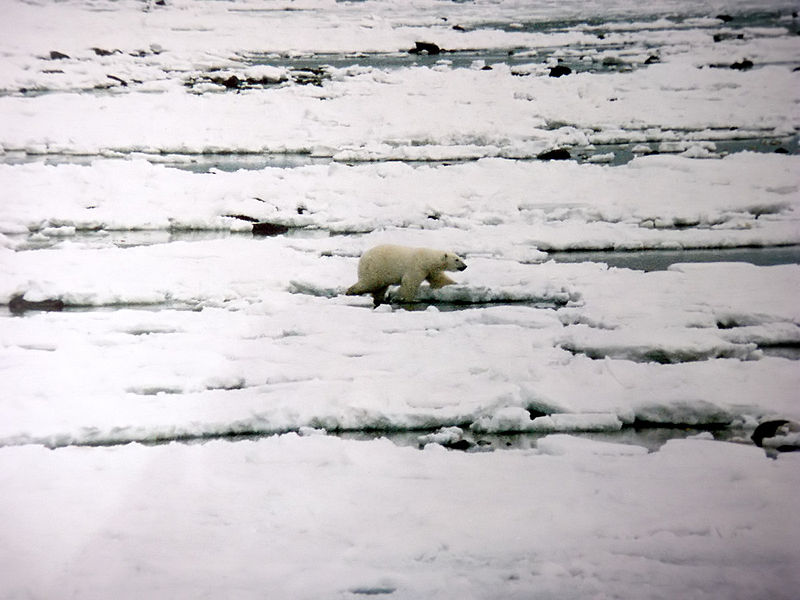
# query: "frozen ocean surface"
(191, 409)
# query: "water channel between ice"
(613, 154)
(651, 436)
(642, 260)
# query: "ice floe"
(187, 186)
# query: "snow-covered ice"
(187, 426)
(320, 517)
(652, 202)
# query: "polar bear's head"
(452, 262)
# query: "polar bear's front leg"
(438, 280)
(410, 284)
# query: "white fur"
(407, 267)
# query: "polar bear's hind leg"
(356, 289)
(379, 296)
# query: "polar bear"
(407, 267)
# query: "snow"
(310, 517)
(370, 116)
(652, 202)
(210, 415)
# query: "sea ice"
(178, 430)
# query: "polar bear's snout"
(456, 263)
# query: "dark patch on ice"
(137, 331)
(18, 305)
(426, 48)
(155, 390)
(535, 411)
(373, 591)
(242, 218)
(556, 154)
(264, 228)
(727, 324)
(312, 76)
(720, 37)
(56, 55)
(231, 82)
(777, 436)
(767, 429)
(743, 65)
(788, 350)
(560, 71)
(660, 356)
(104, 52)
(119, 80)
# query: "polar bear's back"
(386, 263)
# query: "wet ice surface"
(657, 260)
(572, 418)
